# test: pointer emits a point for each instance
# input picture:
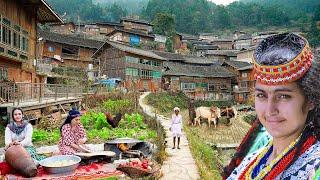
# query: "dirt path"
(180, 163)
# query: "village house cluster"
(37, 47)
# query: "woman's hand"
(12, 144)
(81, 141)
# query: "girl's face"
(282, 109)
(176, 112)
(17, 115)
(75, 121)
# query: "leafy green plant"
(118, 106)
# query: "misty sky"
(224, 2)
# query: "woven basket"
(137, 172)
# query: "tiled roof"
(138, 21)
(246, 68)
(69, 39)
(128, 49)
(206, 47)
(237, 64)
(170, 56)
(223, 52)
(119, 29)
(45, 13)
(222, 40)
(180, 69)
(184, 58)
(244, 37)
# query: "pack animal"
(210, 113)
(229, 112)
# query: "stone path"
(180, 163)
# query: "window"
(145, 61)
(156, 74)
(243, 84)
(51, 49)
(14, 36)
(132, 59)
(132, 72)
(70, 50)
(155, 63)
(213, 86)
(223, 86)
(3, 73)
(244, 75)
(188, 86)
(6, 35)
(145, 74)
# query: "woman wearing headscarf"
(73, 135)
(19, 132)
(176, 126)
(287, 94)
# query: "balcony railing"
(17, 93)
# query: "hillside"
(196, 16)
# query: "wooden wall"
(25, 17)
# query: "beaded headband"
(283, 73)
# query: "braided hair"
(277, 50)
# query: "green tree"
(164, 24)
(116, 12)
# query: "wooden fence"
(23, 92)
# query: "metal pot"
(47, 164)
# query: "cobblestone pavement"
(180, 163)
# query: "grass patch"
(2, 129)
(164, 102)
(203, 154)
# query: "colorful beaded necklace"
(277, 165)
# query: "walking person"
(176, 126)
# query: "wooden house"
(198, 77)
(228, 55)
(138, 69)
(243, 82)
(207, 36)
(246, 55)
(65, 52)
(18, 36)
(224, 44)
(136, 25)
(245, 87)
(130, 37)
(107, 27)
(199, 82)
(243, 42)
(65, 28)
(237, 34)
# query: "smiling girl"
(287, 94)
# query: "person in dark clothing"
(192, 111)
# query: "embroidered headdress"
(281, 59)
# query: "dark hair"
(14, 109)
(277, 50)
(73, 113)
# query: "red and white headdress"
(281, 69)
